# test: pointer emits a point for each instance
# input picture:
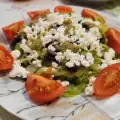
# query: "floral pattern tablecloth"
(112, 8)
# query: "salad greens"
(77, 48)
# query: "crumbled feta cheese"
(15, 54)
(51, 48)
(18, 70)
(69, 64)
(75, 59)
(54, 64)
(92, 80)
(44, 24)
(89, 90)
(37, 63)
(72, 58)
(108, 59)
(59, 56)
(63, 83)
(55, 17)
(33, 55)
(27, 29)
(85, 63)
(30, 36)
(95, 32)
(99, 51)
(90, 58)
(109, 55)
(25, 47)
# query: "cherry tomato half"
(43, 90)
(6, 60)
(108, 81)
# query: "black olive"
(14, 42)
(79, 21)
(73, 69)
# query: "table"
(111, 7)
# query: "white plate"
(14, 98)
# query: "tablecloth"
(112, 7)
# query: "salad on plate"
(63, 54)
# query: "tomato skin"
(91, 14)
(34, 14)
(12, 30)
(113, 37)
(63, 9)
(34, 84)
(100, 89)
(6, 60)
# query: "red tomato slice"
(91, 14)
(43, 90)
(34, 14)
(108, 81)
(113, 37)
(12, 30)
(63, 9)
(6, 60)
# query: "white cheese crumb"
(27, 29)
(25, 47)
(69, 64)
(15, 54)
(37, 63)
(108, 59)
(59, 56)
(34, 55)
(18, 70)
(89, 90)
(51, 48)
(63, 83)
(92, 80)
(90, 58)
(54, 64)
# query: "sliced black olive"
(88, 25)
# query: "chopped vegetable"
(113, 37)
(63, 9)
(108, 81)
(6, 60)
(43, 90)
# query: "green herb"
(102, 29)
(68, 29)
(67, 21)
(39, 71)
(17, 47)
(94, 67)
(74, 90)
(31, 68)
(97, 60)
(35, 44)
(67, 45)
